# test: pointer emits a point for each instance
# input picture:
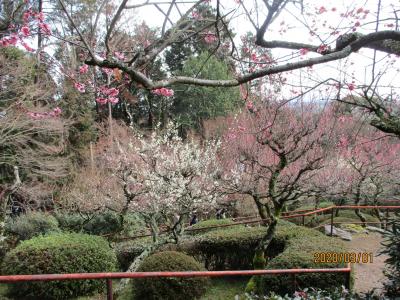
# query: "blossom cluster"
(107, 94)
(25, 31)
(210, 37)
(80, 87)
(163, 92)
(36, 115)
(183, 179)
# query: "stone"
(343, 234)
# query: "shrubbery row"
(33, 224)
(232, 248)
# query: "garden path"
(370, 275)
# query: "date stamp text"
(344, 257)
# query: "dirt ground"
(368, 276)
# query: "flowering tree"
(372, 160)
(272, 152)
(164, 180)
(334, 34)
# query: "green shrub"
(59, 253)
(101, 223)
(133, 225)
(170, 288)
(31, 224)
(69, 221)
(202, 227)
(292, 247)
(232, 248)
(299, 253)
(97, 224)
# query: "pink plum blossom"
(45, 28)
(210, 38)
(163, 92)
(80, 87)
(25, 31)
(119, 55)
(83, 69)
(113, 100)
(112, 92)
(322, 48)
(303, 51)
(101, 100)
(27, 47)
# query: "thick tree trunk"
(357, 202)
(360, 215)
(259, 261)
(136, 264)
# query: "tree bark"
(137, 262)
(357, 202)
(259, 260)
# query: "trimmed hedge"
(32, 224)
(170, 288)
(101, 223)
(292, 247)
(231, 248)
(201, 227)
(59, 253)
(299, 251)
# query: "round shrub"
(32, 224)
(59, 253)
(228, 249)
(170, 288)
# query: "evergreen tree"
(193, 104)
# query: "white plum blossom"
(167, 177)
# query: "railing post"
(347, 280)
(332, 211)
(294, 282)
(109, 289)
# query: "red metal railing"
(109, 276)
(296, 215)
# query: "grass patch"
(226, 288)
(3, 291)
